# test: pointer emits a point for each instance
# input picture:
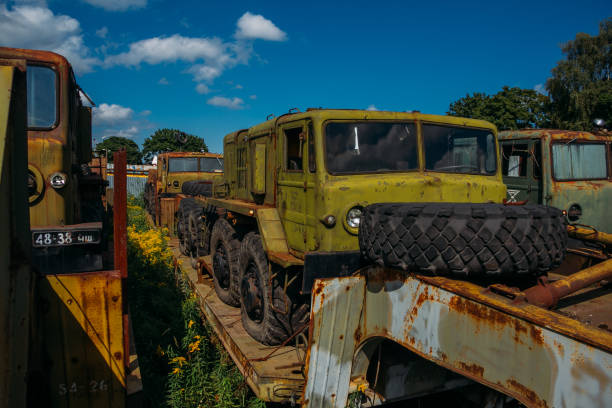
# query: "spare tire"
(464, 240)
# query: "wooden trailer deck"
(274, 373)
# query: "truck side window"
(293, 154)
(312, 163)
(514, 160)
(42, 100)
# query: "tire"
(194, 228)
(257, 289)
(464, 240)
(185, 206)
(224, 247)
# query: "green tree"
(171, 140)
(114, 143)
(580, 86)
(510, 108)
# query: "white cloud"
(540, 88)
(230, 103)
(145, 113)
(170, 49)
(102, 32)
(253, 97)
(163, 81)
(372, 108)
(204, 72)
(117, 5)
(238, 86)
(256, 26)
(209, 56)
(106, 114)
(202, 89)
(37, 27)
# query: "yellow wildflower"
(195, 346)
(191, 323)
(179, 360)
(176, 370)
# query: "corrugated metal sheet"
(135, 183)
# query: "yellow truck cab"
(174, 169)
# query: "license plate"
(65, 238)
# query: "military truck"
(296, 189)
(566, 169)
(173, 170)
(66, 317)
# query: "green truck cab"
(570, 170)
(311, 195)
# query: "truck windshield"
(183, 164)
(211, 164)
(579, 161)
(370, 147)
(41, 97)
(456, 149)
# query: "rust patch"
(318, 288)
(357, 335)
(474, 370)
(491, 316)
(529, 395)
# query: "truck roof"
(33, 55)
(356, 114)
(554, 134)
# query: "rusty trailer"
(274, 373)
(385, 336)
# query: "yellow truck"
(321, 193)
(426, 317)
(68, 339)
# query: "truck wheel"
(464, 240)
(257, 290)
(225, 246)
(194, 228)
(185, 207)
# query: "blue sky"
(209, 68)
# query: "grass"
(183, 364)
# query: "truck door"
(519, 171)
(294, 182)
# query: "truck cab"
(566, 169)
(66, 210)
(176, 168)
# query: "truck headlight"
(353, 217)
(175, 183)
(574, 212)
(58, 180)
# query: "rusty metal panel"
(538, 366)
(334, 319)
(83, 339)
(16, 276)
(168, 208)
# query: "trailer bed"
(275, 374)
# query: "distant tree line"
(162, 140)
(579, 91)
